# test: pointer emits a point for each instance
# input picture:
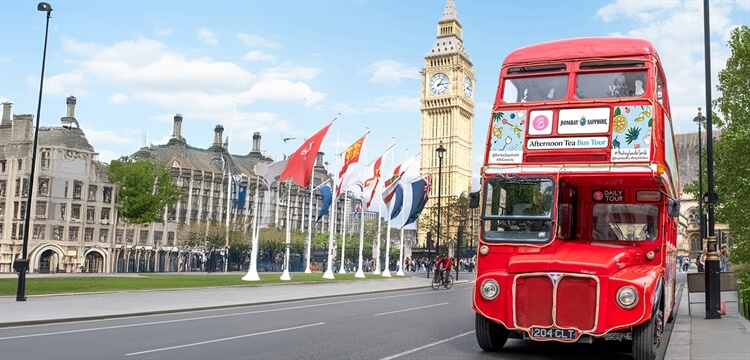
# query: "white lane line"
(200, 317)
(426, 346)
(225, 339)
(414, 308)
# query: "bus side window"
(566, 209)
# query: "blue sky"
(285, 68)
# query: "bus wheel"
(491, 336)
(646, 339)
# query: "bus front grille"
(556, 300)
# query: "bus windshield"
(630, 222)
(518, 209)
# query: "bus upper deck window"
(539, 88)
(611, 85)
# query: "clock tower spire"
(447, 107)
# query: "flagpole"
(332, 220)
(285, 275)
(309, 225)
(252, 273)
(343, 232)
(377, 248)
(401, 248)
(226, 220)
(387, 270)
(360, 273)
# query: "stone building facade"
(74, 225)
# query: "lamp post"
(700, 120)
(713, 285)
(440, 152)
(22, 264)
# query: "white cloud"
(258, 55)
(64, 84)
(256, 41)
(118, 98)
(393, 103)
(283, 90)
(643, 10)
(106, 137)
(107, 156)
(289, 71)
(207, 36)
(390, 72)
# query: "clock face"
(439, 83)
(468, 89)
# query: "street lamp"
(440, 152)
(700, 120)
(22, 264)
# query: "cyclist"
(442, 266)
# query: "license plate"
(553, 333)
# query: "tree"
(732, 173)
(144, 189)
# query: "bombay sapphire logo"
(583, 121)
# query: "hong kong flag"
(301, 162)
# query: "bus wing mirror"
(474, 200)
(674, 208)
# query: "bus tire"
(646, 339)
(491, 336)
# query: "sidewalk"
(696, 338)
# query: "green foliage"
(732, 174)
(144, 189)
(212, 234)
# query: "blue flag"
(327, 200)
(398, 201)
(420, 190)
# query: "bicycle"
(447, 281)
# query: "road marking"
(200, 317)
(225, 339)
(415, 308)
(426, 346)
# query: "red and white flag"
(372, 178)
(301, 162)
(392, 183)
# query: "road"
(414, 324)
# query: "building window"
(90, 214)
(104, 215)
(45, 159)
(63, 207)
(103, 235)
(129, 236)
(170, 238)
(92, 193)
(41, 209)
(2, 210)
(73, 233)
(38, 232)
(143, 237)
(65, 195)
(20, 164)
(118, 236)
(43, 189)
(22, 187)
(1, 230)
(695, 243)
(19, 209)
(107, 194)
(157, 237)
(77, 185)
(57, 232)
(3, 187)
(75, 212)
(15, 228)
(88, 235)
(2, 166)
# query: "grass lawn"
(82, 284)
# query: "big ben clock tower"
(447, 105)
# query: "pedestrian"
(686, 263)
(723, 257)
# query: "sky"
(285, 68)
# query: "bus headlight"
(627, 297)
(490, 289)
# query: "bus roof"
(579, 48)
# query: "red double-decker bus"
(579, 198)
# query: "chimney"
(71, 102)
(218, 134)
(6, 113)
(70, 118)
(177, 127)
(256, 143)
(23, 126)
(319, 163)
